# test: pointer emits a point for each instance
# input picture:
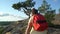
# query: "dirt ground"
(53, 31)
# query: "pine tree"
(44, 7)
(26, 6)
(47, 11)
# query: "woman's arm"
(29, 27)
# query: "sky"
(6, 7)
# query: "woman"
(30, 29)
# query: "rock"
(53, 31)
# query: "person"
(30, 29)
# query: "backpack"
(39, 23)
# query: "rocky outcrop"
(19, 27)
(16, 28)
(53, 30)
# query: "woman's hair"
(34, 11)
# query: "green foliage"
(17, 6)
(27, 5)
(50, 17)
(5, 23)
(49, 13)
(1, 30)
(44, 7)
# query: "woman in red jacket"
(30, 29)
